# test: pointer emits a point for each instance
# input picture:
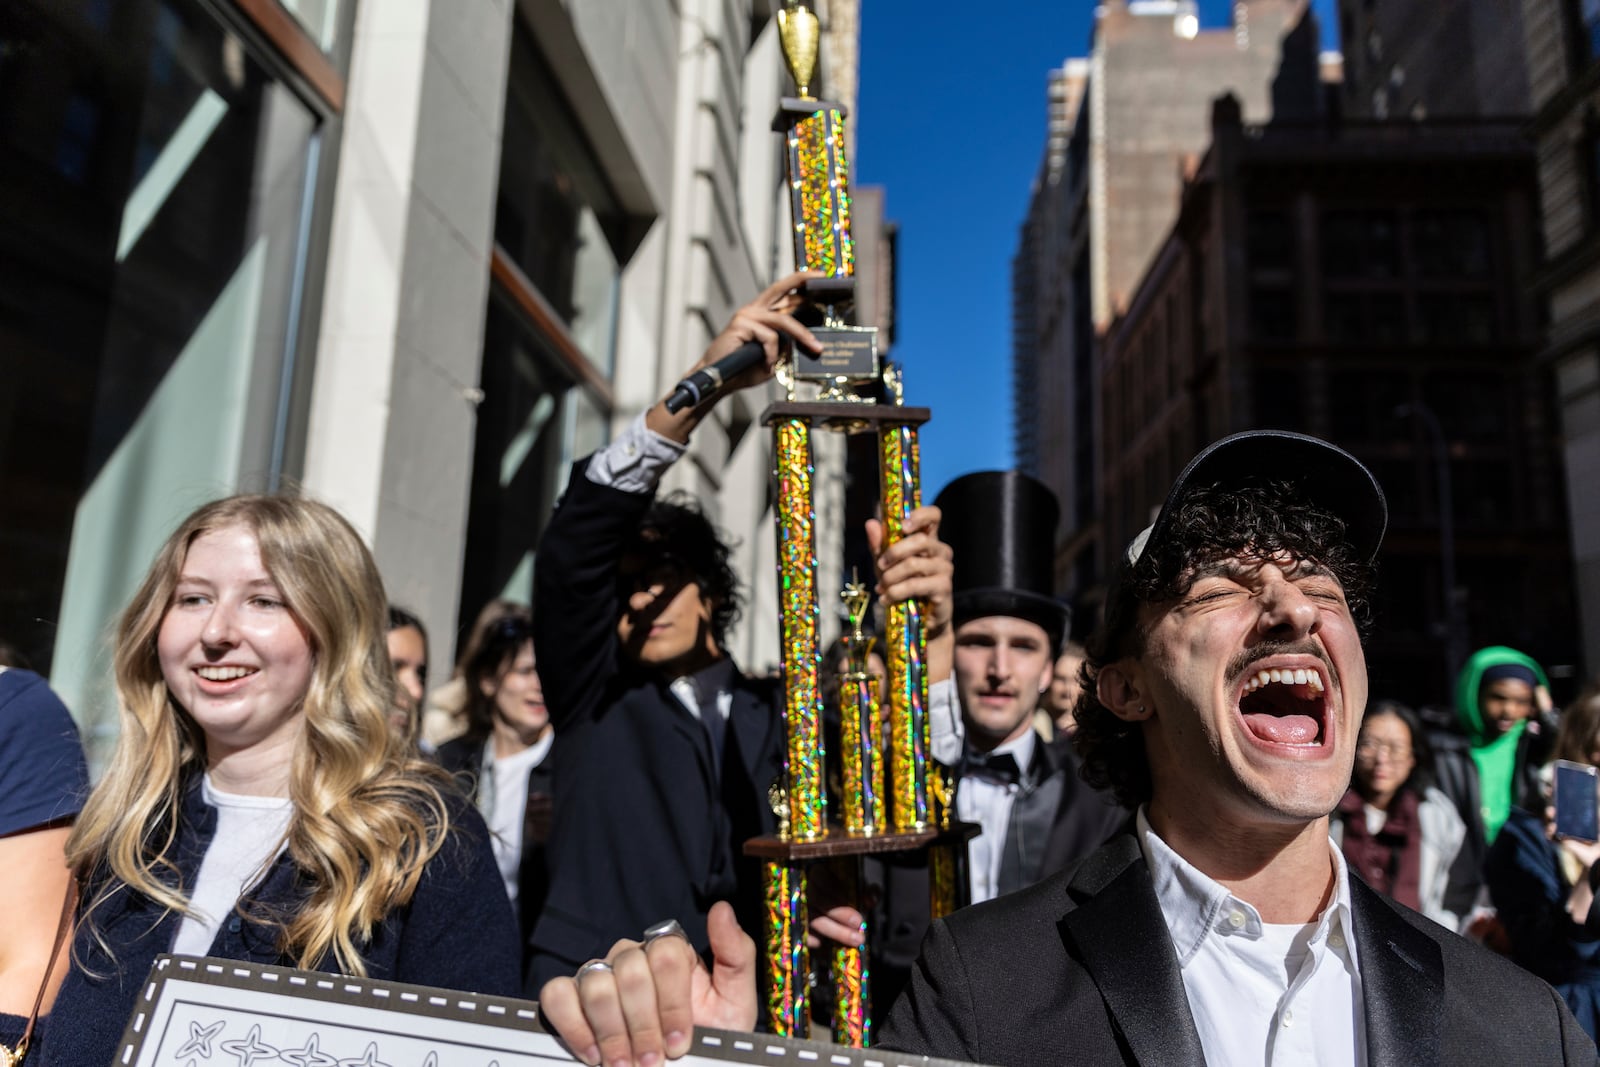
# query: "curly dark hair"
(1212, 523)
(676, 531)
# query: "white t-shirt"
(509, 801)
(249, 837)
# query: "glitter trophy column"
(850, 383)
(900, 466)
(852, 1023)
(789, 974)
(797, 587)
(860, 725)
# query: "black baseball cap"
(1326, 476)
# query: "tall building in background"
(1037, 295)
(1367, 283)
(1563, 47)
(1106, 199)
(414, 258)
(1422, 59)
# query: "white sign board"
(224, 1013)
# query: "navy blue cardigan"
(458, 932)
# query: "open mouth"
(1286, 706)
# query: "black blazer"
(1080, 968)
(643, 830)
(463, 758)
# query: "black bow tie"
(998, 767)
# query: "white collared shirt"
(987, 803)
(1259, 993)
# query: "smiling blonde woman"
(258, 806)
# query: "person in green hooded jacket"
(1507, 729)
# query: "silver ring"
(665, 928)
(592, 967)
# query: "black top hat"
(1002, 528)
(1329, 478)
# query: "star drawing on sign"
(432, 1060)
(310, 1056)
(370, 1059)
(199, 1043)
(250, 1049)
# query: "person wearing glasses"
(503, 760)
(1393, 826)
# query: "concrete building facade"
(410, 257)
(1563, 48)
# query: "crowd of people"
(1199, 840)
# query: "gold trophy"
(883, 812)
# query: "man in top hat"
(1037, 814)
(1228, 685)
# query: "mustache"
(1241, 663)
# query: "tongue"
(1283, 729)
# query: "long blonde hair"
(367, 815)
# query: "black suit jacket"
(1080, 968)
(463, 758)
(643, 829)
(1056, 820)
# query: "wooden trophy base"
(845, 416)
(840, 843)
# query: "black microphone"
(707, 380)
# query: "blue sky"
(951, 120)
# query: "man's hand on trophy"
(643, 1001)
(917, 565)
(922, 566)
(769, 321)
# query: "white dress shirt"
(1259, 993)
(988, 803)
(635, 461)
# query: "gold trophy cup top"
(799, 32)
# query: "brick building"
(1351, 280)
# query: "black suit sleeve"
(575, 595)
(935, 1016)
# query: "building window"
(156, 183)
(549, 335)
(1451, 244)
(556, 216)
(1360, 245)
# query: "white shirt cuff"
(635, 461)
